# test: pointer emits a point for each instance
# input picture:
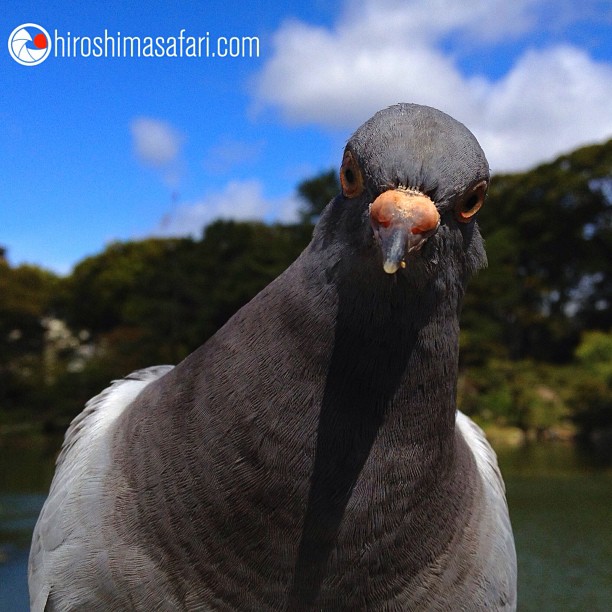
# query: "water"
(561, 511)
(26, 469)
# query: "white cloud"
(156, 142)
(551, 102)
(426, 20)
(380, 53)
(240, 200)
(158, 145)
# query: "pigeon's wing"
(485, 456)
(496, 549)
(68, 528)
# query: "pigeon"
(310, 454)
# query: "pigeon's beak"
(402, 221)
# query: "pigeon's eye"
(471, 202)
(351, 178)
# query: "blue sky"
(98, 149)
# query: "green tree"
(589, 384)
(523, 394)
(549, 242)
(26, 298)
(316, 193)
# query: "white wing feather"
(66, 525)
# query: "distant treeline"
(536, 325)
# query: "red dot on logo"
(40, 40)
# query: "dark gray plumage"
(309, 456)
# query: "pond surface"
(561, 511)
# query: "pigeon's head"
(416, 177)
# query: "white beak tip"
(391, 267)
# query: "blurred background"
(146, 198)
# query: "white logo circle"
(27, 50)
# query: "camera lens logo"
(29, 44)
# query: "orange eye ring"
(351, 178)
(471, 202)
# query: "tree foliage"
(589, 389)
(549, 243)
(26, 296)
(536, 325)
(316, 193)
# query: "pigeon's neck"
(385, 437)
(395, 355)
